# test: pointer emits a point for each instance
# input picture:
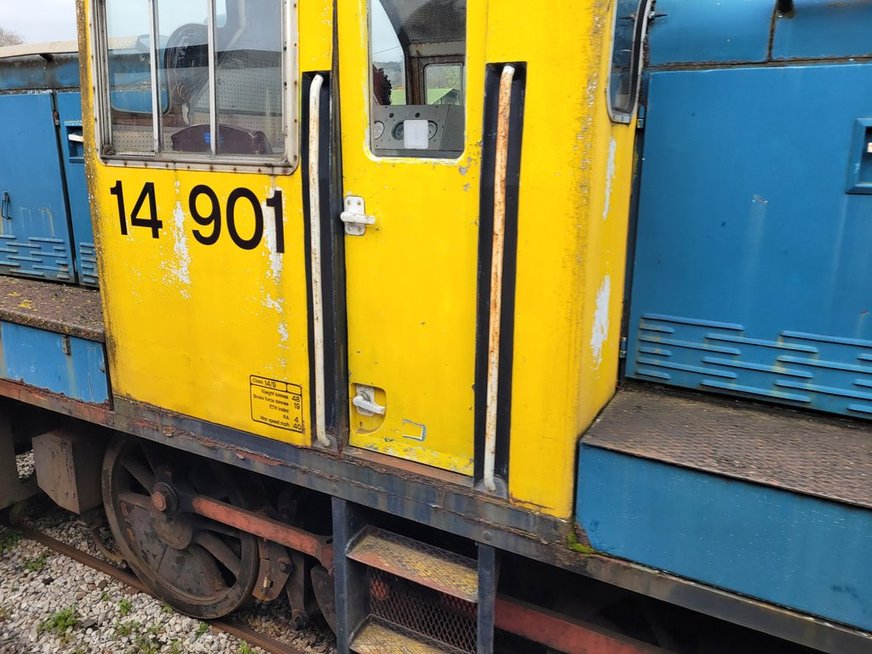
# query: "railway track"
(231, 627)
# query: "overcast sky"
(40, 20)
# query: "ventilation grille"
(449, 621)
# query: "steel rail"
(233, 628)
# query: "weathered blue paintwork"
(710, 31)
(61, 364)
(796, 551)
(752, 269)
(69, 106)
(34, 229)
(824, 28)
(61, 71)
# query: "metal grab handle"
(496, 283)
(75, 138)
(315, 250)
(5, 205)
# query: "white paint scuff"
(601, 321)
(180, 266)
(276, 259)
(610, 176)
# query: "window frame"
(640, 37)
(164, 159)
(414, 79)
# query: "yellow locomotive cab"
(203, 217)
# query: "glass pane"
(443, 83)
(250, 84)
(623, 82)
(417, 56)
(183, 61)
(128, 24)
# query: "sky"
(40, 20)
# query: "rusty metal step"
(376, 637)
(430, 566)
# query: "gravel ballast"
(51, 604)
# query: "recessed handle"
(6, 206)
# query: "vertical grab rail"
(315, 250)
(212, 49)
(155, 79)
(496, 282)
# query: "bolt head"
(160, 500)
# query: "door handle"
(6, 206)
(355, 217)
(365, 402)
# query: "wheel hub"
(177, 530)
(200, 567)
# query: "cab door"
(411, 77)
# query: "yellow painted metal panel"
(216, 332)
(575, 179)
(411, 279)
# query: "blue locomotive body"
(45, 230)
(750, 277)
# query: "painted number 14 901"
(209, 214)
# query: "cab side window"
(196, 79)
(417, 90)
(628, 49)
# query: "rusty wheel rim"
(203, 569)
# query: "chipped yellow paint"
(576, 173)
(411, 280)
(188, 325)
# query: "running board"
(398, 594)
(433, 567)
(377, 637)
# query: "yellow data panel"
(198, 205)
(411, 82)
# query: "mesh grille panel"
(432, 21)
(448, 620)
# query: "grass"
(125, 606)
(145, 644)
(58, 623)
(9, 538)
(245, 648)
(124, 629)
(202, 629)
(35, 564)
(175, 646)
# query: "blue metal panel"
(752, 272)
(61, 364)
(34, 72)
(823, 28)
(800, 552)
(710, 31)
(34, 232)
(70, 111)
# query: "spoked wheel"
(200, 567)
